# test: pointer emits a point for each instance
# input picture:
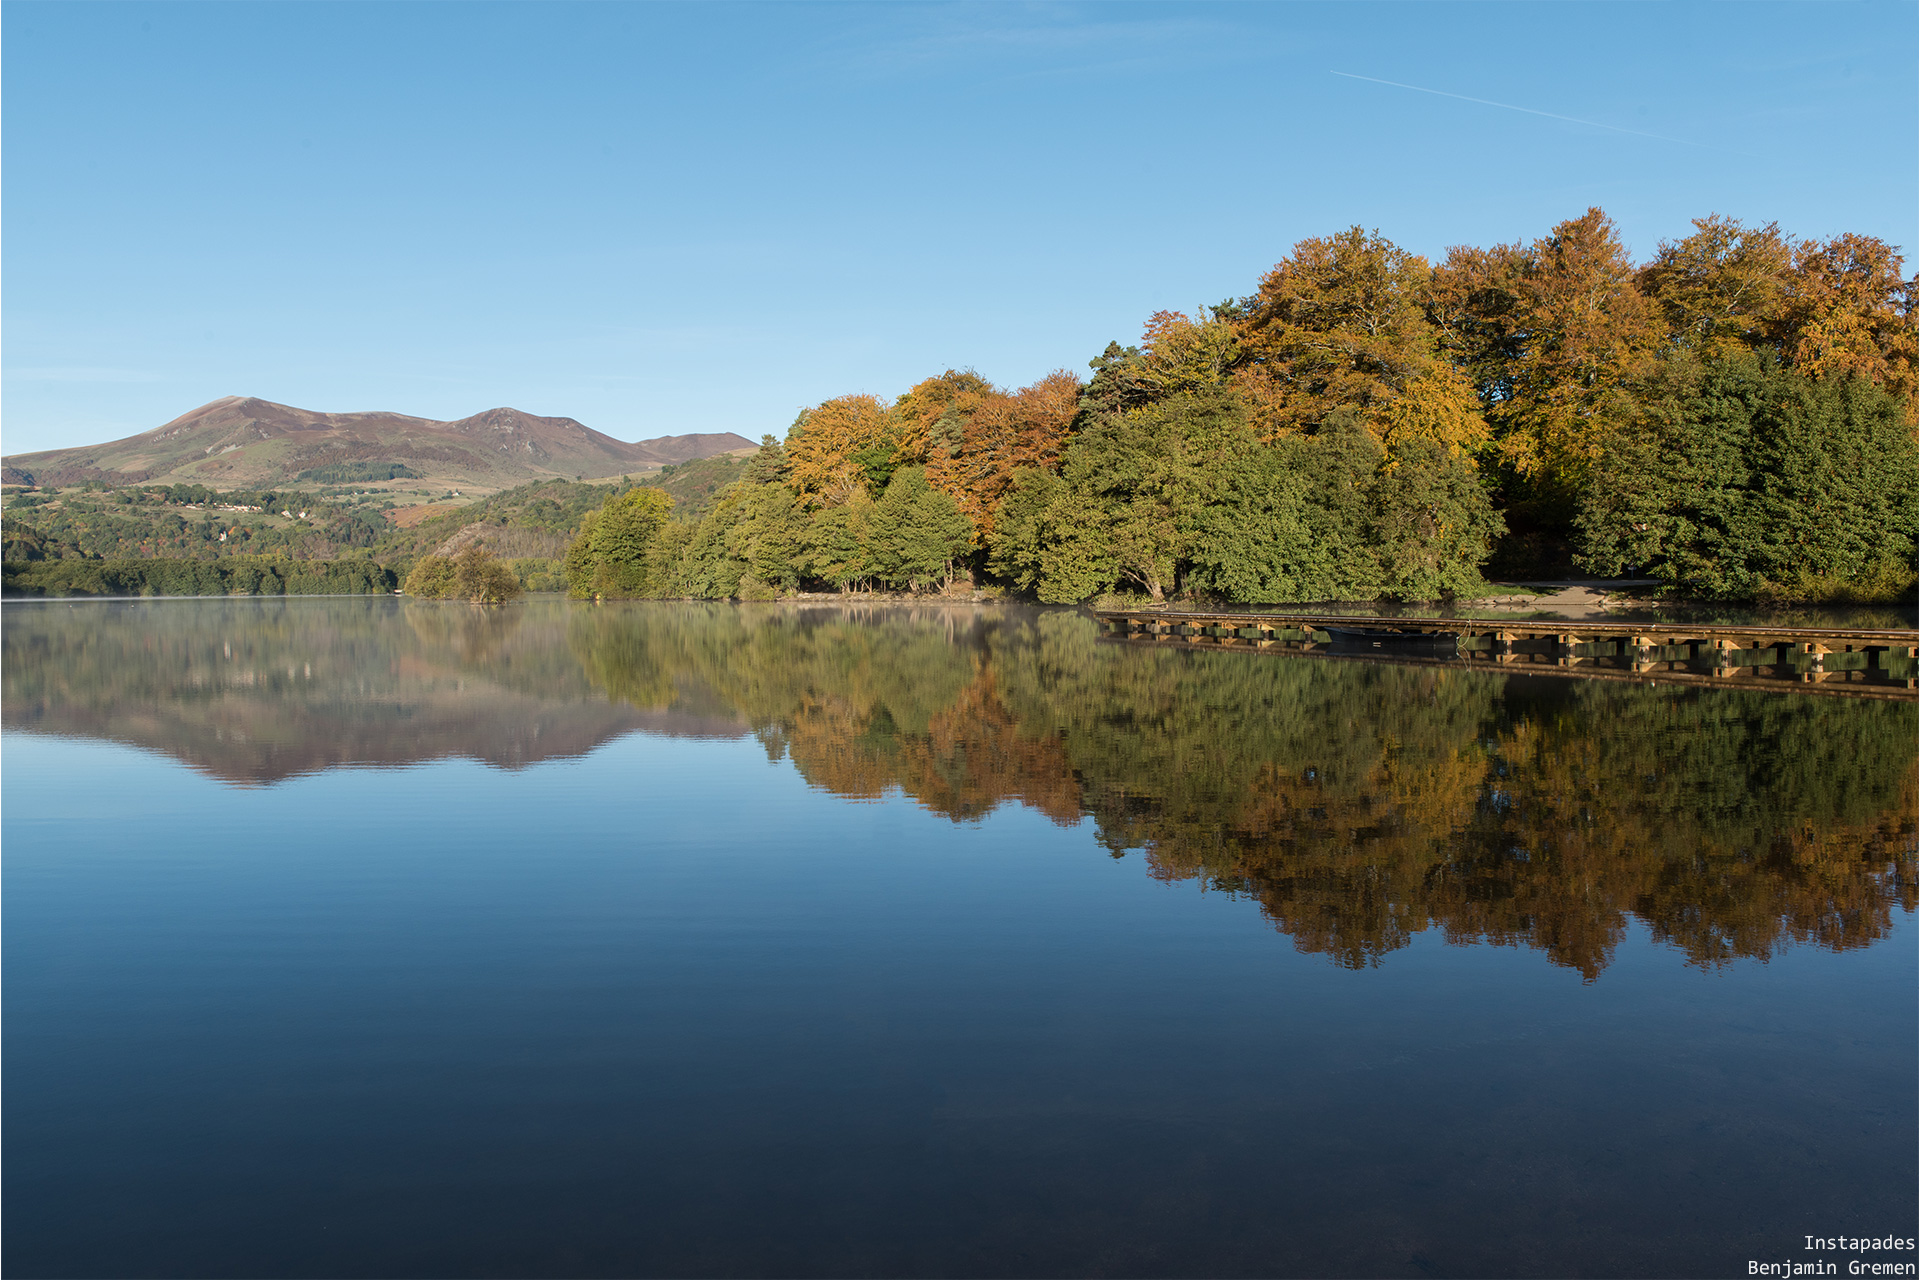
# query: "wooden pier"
(1856, 662)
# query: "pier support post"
(1879, 655)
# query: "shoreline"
(1593, 600)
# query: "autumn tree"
(1339, 324)
(986, 434)
(1560, 334)
(839, 445)
(1361, 425)
(1182, 354)
(1848, 310)
(472, 574)
(431, 578)
(481, 578)
(1723, 289)
(933, 412)
(1474, 305)
(1438, 408)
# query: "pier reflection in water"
(1355, 804)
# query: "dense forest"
(1734, 417)
(1356, 805)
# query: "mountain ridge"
(244, 440)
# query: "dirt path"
(1571, 600)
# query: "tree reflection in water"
(1356, 803)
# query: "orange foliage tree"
(933, 412)
(985, 434)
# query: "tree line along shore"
(1734, 417)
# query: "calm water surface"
(376, 938)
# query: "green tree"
(1246, 535)
(1434, 524)
(837, 544)
(431, 578)
(1746, 480)
(578, 564)
(707, 570)
(611, 554)
(916, 532)
(622, 537)
(1044, 543)
(751, 542)
(481, 578)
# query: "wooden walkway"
(1827, 659)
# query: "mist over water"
(373, 937)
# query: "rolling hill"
(241, 441)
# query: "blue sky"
(670, 218)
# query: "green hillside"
(529, 525)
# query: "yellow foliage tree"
(1440, 406)
(1556, 335)
(1340, 324)
(1722, 289)
(1849, 311)
(833, 446)
(1181, 354)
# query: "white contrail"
(1508, 106)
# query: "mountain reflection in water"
(1356, 804)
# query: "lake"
(370, 937)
